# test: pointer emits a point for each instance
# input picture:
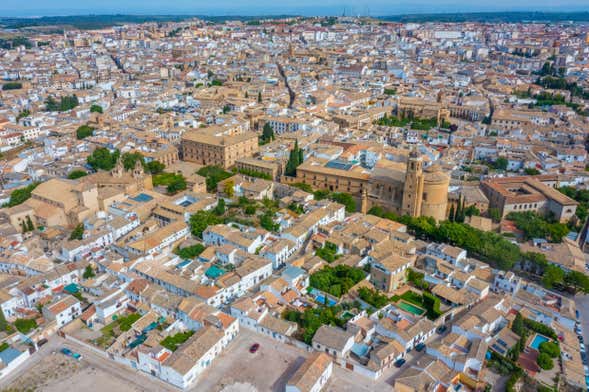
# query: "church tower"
(413, 189)
(138, 175)
(119, 169)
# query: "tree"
(84, 131)
(544, 361)
(23, 114)
(21, 195)
(472, 210)
(267, 221)
(494, 214)
(66, 103)
(75, 174)
(77, 233)
(177, 184)
(550, 348)
(220, 208)
(12, 86)
(155, 167)
(213, 175)
(501, 164)
(294, 160)
(3, 322)
(102, 159)
(452, 213)
(30, 226)
(518, 324)
(577, 280)
(95, 109)
(346, 199)
(88, 272)
(552, 275)
(201, 220)
(459, 215)
(259, 97)
(130, 160)
(531, 171)
(267, 134)
(190, 252)
(228, 188)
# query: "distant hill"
(491, 17)
(93, 22)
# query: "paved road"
(582, 304)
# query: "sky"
(268, 7)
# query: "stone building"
(529, 193)
(221, 150)
(404, 189)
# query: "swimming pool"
(320, 298)
(406, 306)
(537, 341)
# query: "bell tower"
(138, 175)
(119, 169)
(413, 188)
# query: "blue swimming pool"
(537, 341)
(321, 299)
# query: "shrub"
(25, 325)
(172, 342)
(190, 252)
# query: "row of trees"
(27, 225)
(12, 86)
(21, 195)
(65, 103)
(535, 226)
(103, 159)
(488, 246)
(459, 213)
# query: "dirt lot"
(49, 370)
(236, 370)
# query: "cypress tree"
(30, 226)
(451, 214)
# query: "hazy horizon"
(32, 8)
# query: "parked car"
(420, 347)
(70, 353)
(254, 348)
(577, 314)
(442, 329)
(399, 362)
